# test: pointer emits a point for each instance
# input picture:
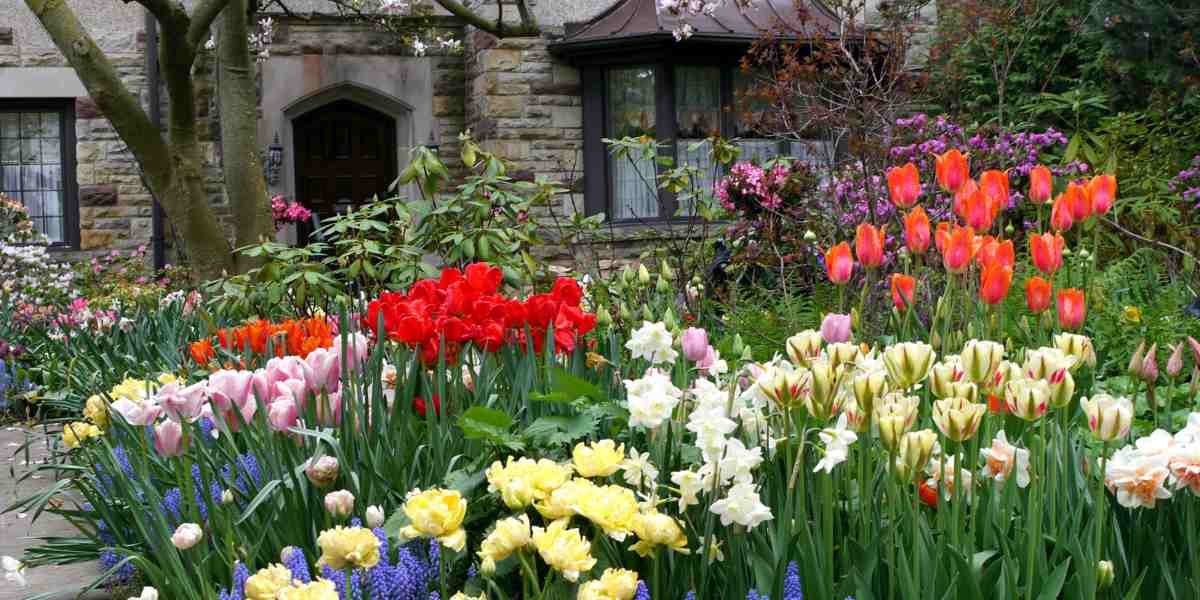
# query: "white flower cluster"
(260, 41)
(30, 275)
(445, 43)
(1143, 473)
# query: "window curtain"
(698, 114)
(31, 167)
(631, 98)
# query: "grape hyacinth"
(643, 593)
(791, 583)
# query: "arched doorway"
(345, 154)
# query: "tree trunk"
(244, 182)
(173, 167)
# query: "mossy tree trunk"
(174, 166)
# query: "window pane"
(698, 114)
(31, 169)
(631, 97)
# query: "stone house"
(342, 103)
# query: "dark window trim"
(65, 107)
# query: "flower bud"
(980, 359)
(804, 346)
(643, 275)
(908, 363)
(340, 503)
(835, 328)
(1109, 418)
(646, 314)
(1149, 370)
(913, 454)
(809, 235)
(227, 497)
(669, 320)
(943, 376)
(625, 313)
(187, 535)
(665, 272)
(1135, 361)
(822, 402)
(1077, 346)
(1062, 388)
(1175, 363)
(1027, 398)
(694, 342)
(627, 275)
(662, 286)
(323, 472)
(868, 386)
(958, 418)
(1104, 574)
(375, 516)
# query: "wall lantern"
(274, 161)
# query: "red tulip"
(1046, 250)
(904, 185)
(996, 405)
(953, 170)
(995, 185)
(839, 264)
(916, 230)
(1040, 184)
(1079, 201)
(993, 251)
(1103, 190)
(1060, 215)
(941, 235)
(419, 405)
(994, 281)
(1037, 294)
(979, 211)
(928, 494)
(868, 245)
(967, 190)
(1071, 308)
(959, 249)
(902, 290)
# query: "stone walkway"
(17, 530)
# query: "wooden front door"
(345, 154)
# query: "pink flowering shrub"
(286, 212)
(750, 188)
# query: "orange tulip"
(979, 211)
(1046, 250)
(902, 290)
(916, 230)
(1060, 214)
(868, 245)
(967, 190)
(904, 185)
(1103, 190)
(839, 264)
(940, 235)
(202, 351)
(994, 281)
(1037, 294)
(1079, 200)
(993, 251)
(1071, 308)
(953, 169)
(995, 185)
(958, 249)
(1040, 184)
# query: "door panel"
(345, 154)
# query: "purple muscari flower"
(206, 428)
(355, 522)
(791, 583)
(122, 458)
(298, 565)
(643, 593)
(689, 596)
(170, 506)
(109, 557)
(472, 572)
(237, 589)
(434, 595)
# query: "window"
(37, 166)
(678, 104)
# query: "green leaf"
(1053, 585)
(483, 423)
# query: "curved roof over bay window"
(630, 24)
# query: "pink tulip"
(183, 404)
(835, 328)
(695, 343)
(321, 370)
(263, 387)
(168, 438)
(357, 345)
(138, 414)
(1175, 363)
(709, 360)
(292, 389)
(282, 369)
(329, 409)
(340, 503)
(227, 388)
(282, 415)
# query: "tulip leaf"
(1054, 583)
(259, 498)
(574, 387)
(483, 423)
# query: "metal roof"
(628, 20)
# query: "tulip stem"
(1101, 509)
(827, 529)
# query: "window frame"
(65, 107)
(598, 160)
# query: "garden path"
(18, 530)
